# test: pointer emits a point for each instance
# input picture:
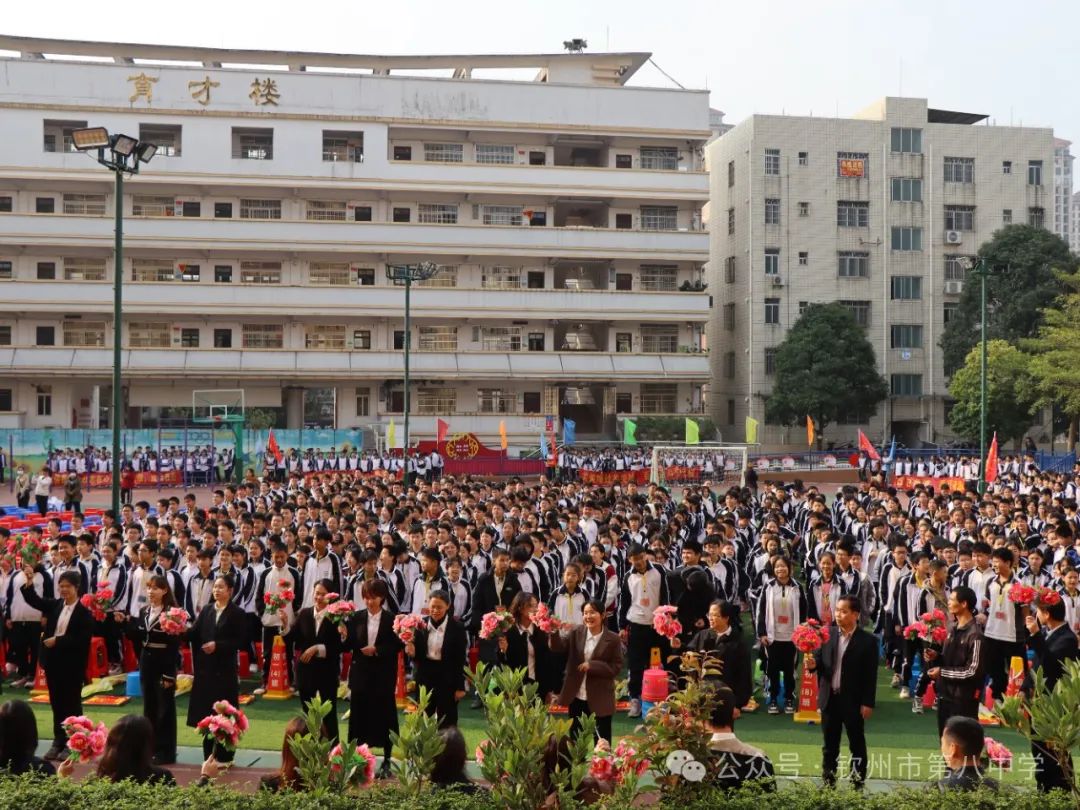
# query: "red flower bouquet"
(614, 767)
(543, 619)
(31, 552)
(998, 754)
(225, 726)
(406, 625)
(1047, 598)
(340, 611)
(86, 740)
(99, 603)
(496, 623)
(280, 600)
(352, 767)
(665, 623)
(929, 629)
(1021, 594)
(810, 636)
(174, 621)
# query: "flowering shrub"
(810, 636)
(496, 623)
(665, 623)
(86, 740)
(174, 621)
(226, 726)
(406, 625)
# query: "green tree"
(1021, 284)
(1054, 351)
(1010, 393)
(824, 368)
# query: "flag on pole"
(272, 446)
(868, 447)
(391, 435)
(809, 431)
(751, 430)
(990, 473)
(543, 445)
(502, 435)
(441, 429)
(693, 432)
(553, 454)
(569, 431)
(629, 431)
(892, 452)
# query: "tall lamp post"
(403, 275)
(978, 267)
(120, 154)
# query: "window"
(365, 276)
(804, 258)
(402, 214)
(731, 173)
(45, 205)
(436, 401)
(949, 311)
(860, 311)
(330, 274)
(729, 365)
(7, 271)
(851, 214)
(624, 402)
(223, 274)
(905, 336)
(223, 210)
(802, 307)
(362, 213)
(149, 335)
(624, 342)
(6, 204)
(190, 272)
(660, 338)
(905, 139)
(1036, 217)
(1006, 167)
(153, 205)
(906, 189)
(166, 137)
(6, 400)
(959, 170)
(437, 338)
(363, 402)
(772, 261)
(260, 209)
(657, 277)
(659, 217)
(46, 271)
(729, 316)
(444, 152)
(772, 311)
(87, 334)
(537, 158)
(44, 400)
(804, 209)
(1035, 168)
(437, 213)
(534, 279)
(346, 147)
(906, 385)
(624, 222)
(223, 338)
(58, 137)
(446, 277)
(361, 340)
(953, 269)
(731, 412)
(772, 211)
(260, 272)
(804, 158)
(399, 340)
(500, 278)
(189, 338)
(45, 336)
(402, 153)
(262, 336)
(906, 238)
(959, 217)
(252, 144)
(772, 162)
(1006, 216)
(146, 271)
(190, 208)
(495, 400)
(905, 288)
(770, 361)
(89, 205)
(624, 161)
(531, 402)
(659, 397)
(495, 153)
(731, 221)
(665, 158)
(852, 164)
(324, 337)
(536, 341)
(854, 417)
(729, 270)
(500, 214)
(325, 210)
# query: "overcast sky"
(1010, 60)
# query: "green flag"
(692, 432)
(629, 429)
(751, 430)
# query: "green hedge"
(33, 793)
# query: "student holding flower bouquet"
(318, 660)
(438, 651)
(525, 645)
(1004, 608)
(157, 664)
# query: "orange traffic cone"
(277, 686)
(41, 686)
(808, 698)
(400, 692)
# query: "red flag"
(990, 474)
(868, 447)
(272, 446)
(441, 428)
(552, 453)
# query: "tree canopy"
(824, 368)
(1010, 393)
(1054, 354)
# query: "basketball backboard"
(217, 405)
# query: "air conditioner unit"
(954, 237)
(777, 281)
(954, 287)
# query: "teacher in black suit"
(723, 640)
(215, 638)
(65, 645)
(318, 655)
(438, 653)
(375, 646)
(847, 689)
(1053, 645)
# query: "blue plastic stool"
(134, 686)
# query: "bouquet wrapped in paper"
(496, 623)
(665, 623)
(810, 636)
(226, 726)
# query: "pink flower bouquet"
(340, 612)
(280, 600)
(543, 619)
(998, 754)
(810, 636)
(174, 621)
(665, 623)
(496, 623)
(406, 625)
(352, 767)
(225, 726)
(86, 740)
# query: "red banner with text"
(912, 481)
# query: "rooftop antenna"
(575, 45)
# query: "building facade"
(564, 213)
(873, 211)
(1063, 192)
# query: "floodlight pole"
(118, 300)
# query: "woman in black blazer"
(157, 666)
(215, 638)
(373, 672)
(514, 647)
(438, 653)
(318, 654)
(723, 638)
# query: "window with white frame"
(260, 272)
(153, 205)
(906, 238)
(325, 210)
(772, 211)
(772, 162)
(437, 213)
(498, 338)
(166, 137)
(659, 217)
(772, 261)
(772, 311)
(804, 209)
(149, 335)
(906, 139)
(496, 400)
(432, 401)
(729, 270)
(443, 152)
(361, 340)
(262, 336)
(153, 270)
(501, 278)
(959, 217)
(853, 264)
(1006, 216)
(190, 272)
(959, 170)
(658, 277)
(659, 397)
(660, 338)
(346, 147)
(44, 400)
(906, 189)
(89, 334)
(860, 311)
(58, 135)
(437, 338)
(1036, 217)
(260, 209)
(330, 274)
(852, 214)
(495, 153)
(1035, 168)
(665, 158)
(500, 214)
(445, 278)
(252, 144)
(363, 402)
(83, 269)
(324, 336)
(89, 205)
(770, 360)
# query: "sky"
(1003, 58)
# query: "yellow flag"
(751, 430)
(691, 433)
(391, 434)
(809, 431)
(502, 434)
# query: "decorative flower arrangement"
(614, 767)
(1047, 598)
(929, 629)
(810, 636)
(174, 621)
(1021, 594)
(225, 726)
(98, 603)
(86, 740)
(353, 766)
(543, 619)
(30, 551)
(340, 611)
(280, 600)
(998, 754)
(665, 623)
(406, 625)
(496, 623)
